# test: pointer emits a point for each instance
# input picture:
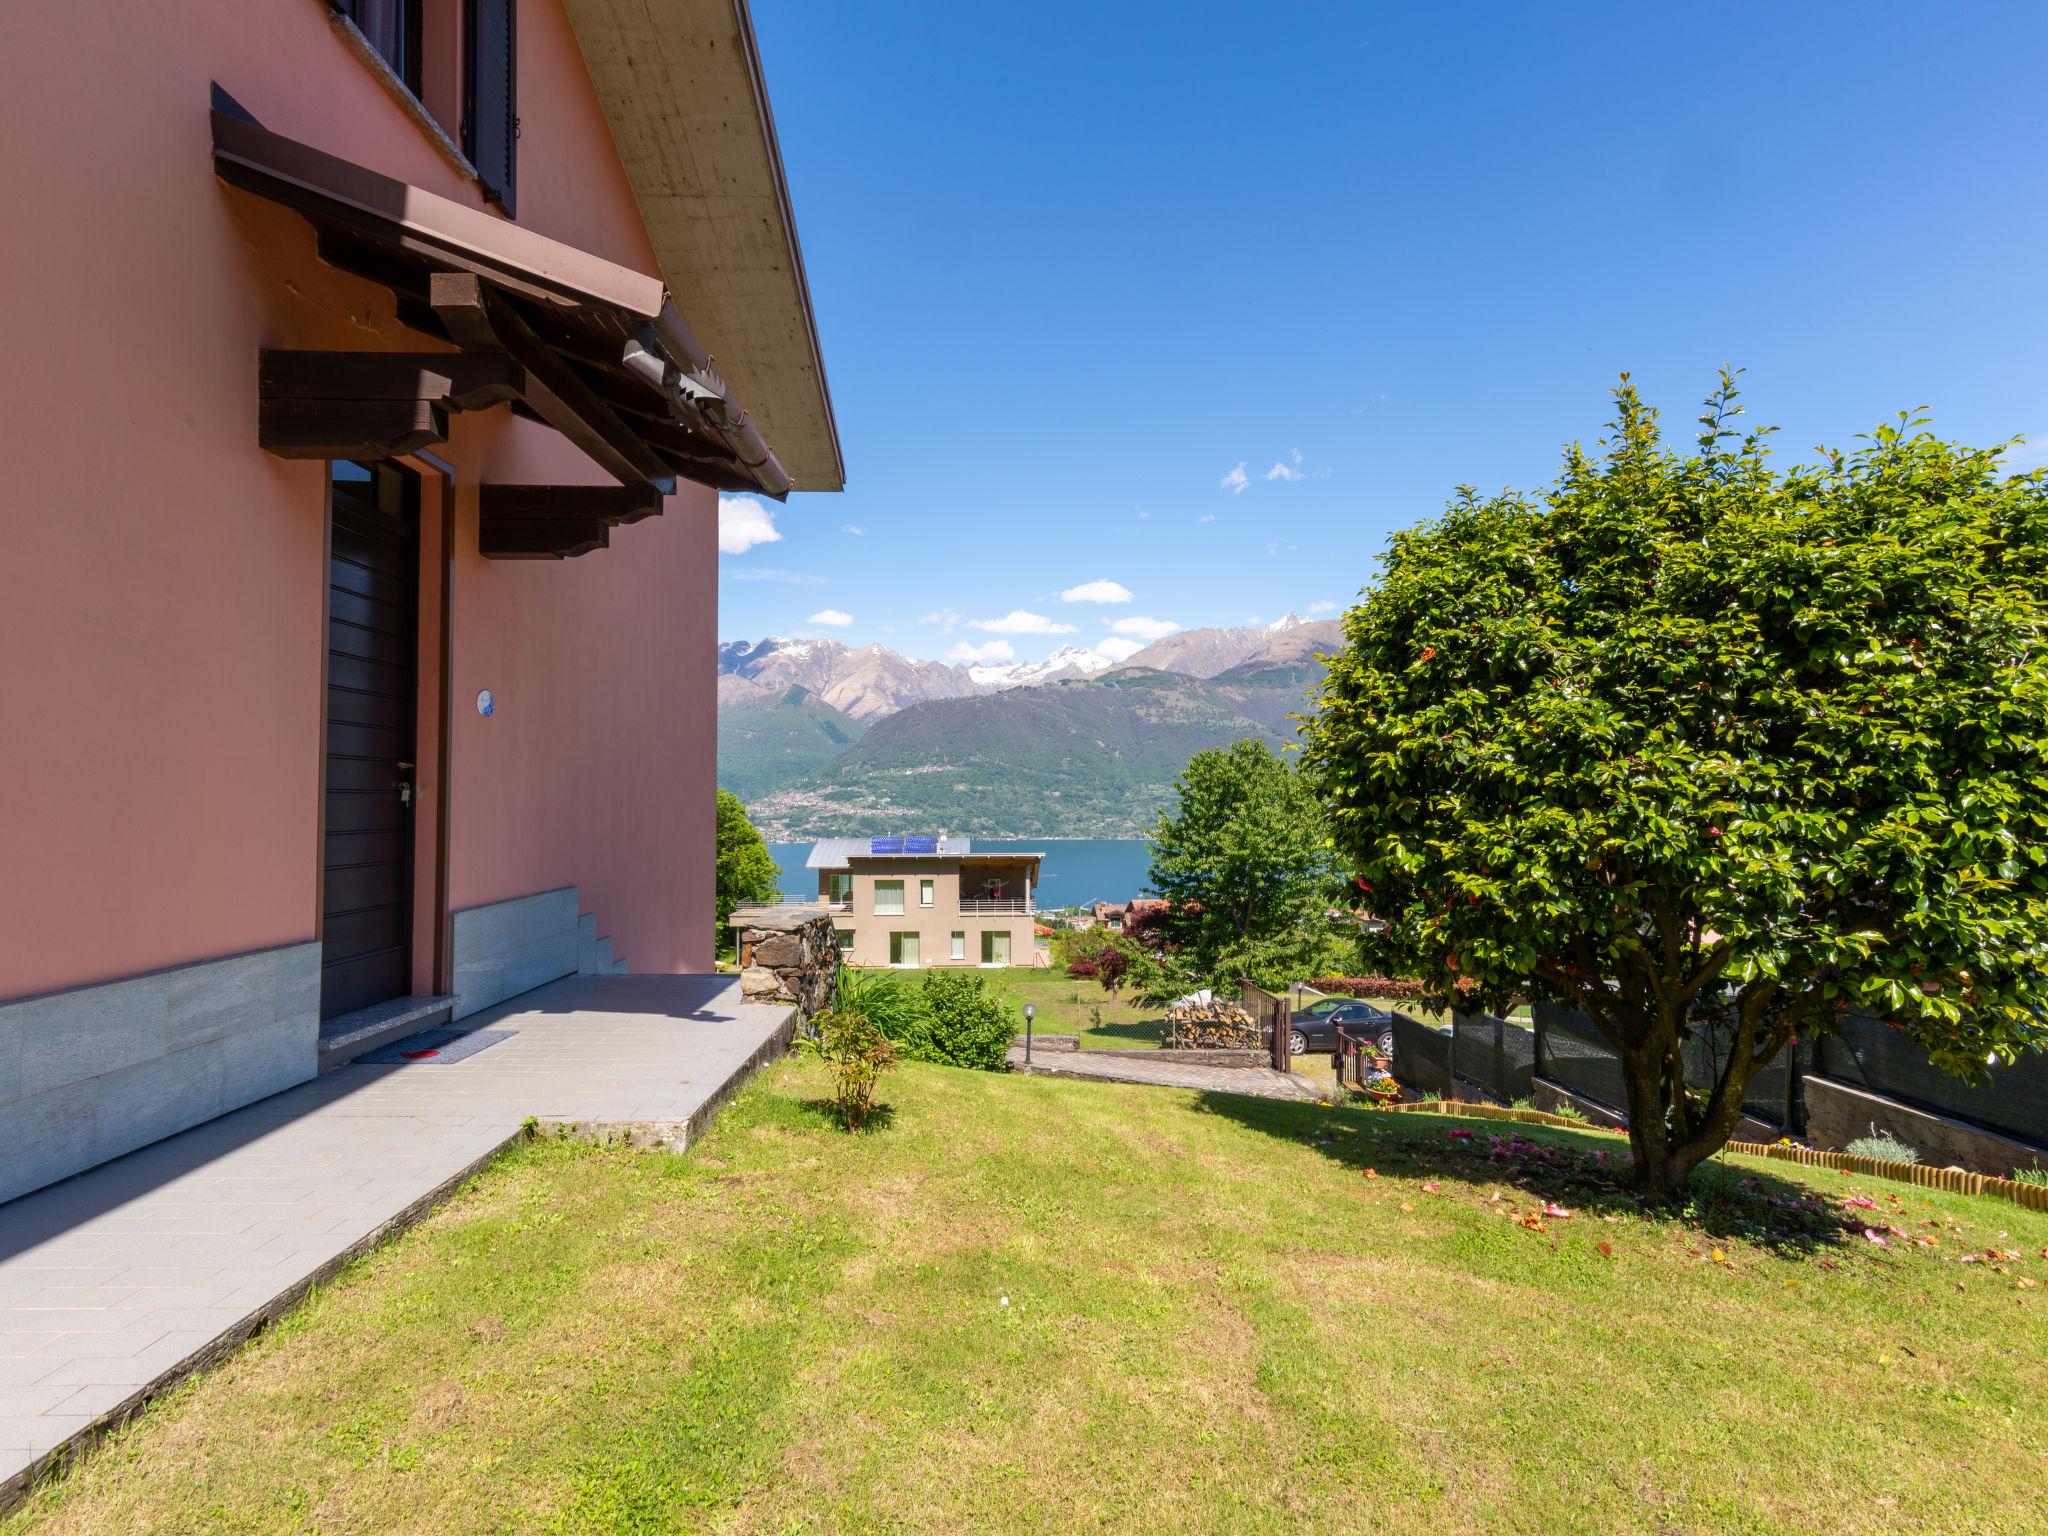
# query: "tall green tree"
(1686, 740)
(1244, 861)
(747, 871)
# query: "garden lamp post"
(1030, 1013)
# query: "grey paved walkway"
(1262, 1082)
(122, 1279)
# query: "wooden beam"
(466, 381)
(541, 538)
(480, 321)
(539, 522)
(350, 429)
(371, 405)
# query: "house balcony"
(997, 906)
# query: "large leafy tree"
(747, 871)
(1688, 743)
(1243, 860)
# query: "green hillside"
(1087, 758)
(1269, 692)
(763, 747)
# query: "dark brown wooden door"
(372, 666)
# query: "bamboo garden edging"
(2032, 1196)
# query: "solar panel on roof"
(920, 845)
(885, 845)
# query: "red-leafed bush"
(1367, 986)
(1083, 969)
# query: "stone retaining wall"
(788, 955)
(1836, 1114)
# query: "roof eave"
(682, 88)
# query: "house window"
(839, 888)
(995, 948)
(925, 892)
(959, 946)
(888, 898)
(903, 950)
(393, 29)
(845, 937)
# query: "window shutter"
(491, 127)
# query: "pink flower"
(1462, 1135)
(1861, 1202)
(1430, 1188)
(1557, 1210)
(1871, 1234)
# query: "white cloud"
(1282, 470)
(1297, 455)
(1206, 517)
(744, 522)
(1144, 629)
(1235, 481)
(832, 616)
(1018, 622)
(1097, 592)
(853, 528)
(1143, 515)
(1115, 650)
(945, 618)
(776, 574)
(1322, 605)
(993, 650)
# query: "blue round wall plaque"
(485, 704)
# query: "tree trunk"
(1668, 1137)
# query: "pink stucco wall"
(162, 579)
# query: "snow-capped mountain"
(1067, 661)
(871, 681)
(1207, 652)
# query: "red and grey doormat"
(434, 1047)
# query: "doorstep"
(350, 1035)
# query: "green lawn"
(1070, 1007)
(1030, 1305)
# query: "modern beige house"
(927, 901)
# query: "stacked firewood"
(1214, 1026)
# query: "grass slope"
(762, 747)
(1070, 1007)
(1025, 1305)
(1093, 758)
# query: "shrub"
(859, 1053)
(971, 1024)
(1883, 1146)
(894, 1004)
(2034, 1175)
(1083, 969)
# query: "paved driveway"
(119, 1281)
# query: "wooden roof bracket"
(556, 522)
(372, 405)
(480, 322)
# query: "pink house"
(373, 368)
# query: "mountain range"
(822, 739)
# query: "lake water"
(1077, 870)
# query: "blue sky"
(1075, 268)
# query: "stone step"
(350, 1035)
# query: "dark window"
(392, 27)
(490, 120)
